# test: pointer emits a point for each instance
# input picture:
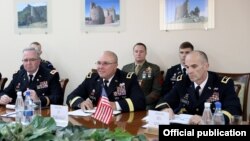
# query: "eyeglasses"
(99, 63)
(30, 60)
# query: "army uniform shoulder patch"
(129, 75)
(225, 79)
(53, 72)
(179, 78)
(89, 75)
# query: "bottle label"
(28, 113)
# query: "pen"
(9, 114)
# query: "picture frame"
(32, 16)
(186, 14)
(102, 15)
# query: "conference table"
(131, 122)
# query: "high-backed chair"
(64, 83)
(241, 85)
(3, 82)
(162, 77)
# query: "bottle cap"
(207, 104)
(27, 93)
(19, 93)
(217, 104)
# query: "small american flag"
(104, 110)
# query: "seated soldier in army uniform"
(200, 86)
(179, 69)
(44, 63)
(148, 75)
(123, 90)
(42, 83)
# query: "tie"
(30, 78)
(197, 93)
(106, 85)
(137, 69)
(184, 71)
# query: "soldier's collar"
(108, 79)
(141, 64)
(202, 85)
(34, 74)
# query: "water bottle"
(19, 107)
(28, 109)
(218, 117)
(207, 117)
(37, 107)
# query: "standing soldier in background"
(148, 75)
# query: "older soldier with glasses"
(42, 82)
(123, 90)
(44, 63)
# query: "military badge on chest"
(120, 91)
(173, 78)
(42, 85)
(184, 102)
(18, 87)
(215, 96)
(185, 99)
(147, 73)
(92, 95)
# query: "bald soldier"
(209, 86)
(123, 90)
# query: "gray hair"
(32, 49)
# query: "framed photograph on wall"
(102, 15)
(32, 16)
(186, 14)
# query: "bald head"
(111, 55)
(200, 54)
(196, 63)
(107, 64)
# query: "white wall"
(74, 52)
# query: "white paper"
(79, 112)
(156, 118)
(60, 114)
(10, 106)
(180, 119)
